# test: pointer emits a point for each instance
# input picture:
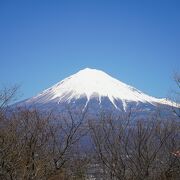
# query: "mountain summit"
(95, 89)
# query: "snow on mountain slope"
(91, 83)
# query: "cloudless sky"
(44, 41)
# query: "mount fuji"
(96, 91)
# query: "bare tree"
(108, 138)
(65, 136)
(138, 150)
(7, 95)
(176, 95)
(34, 145)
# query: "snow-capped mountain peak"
(90, 83)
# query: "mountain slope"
(95, 89)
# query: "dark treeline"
(34, 146)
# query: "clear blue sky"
(44, 41)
